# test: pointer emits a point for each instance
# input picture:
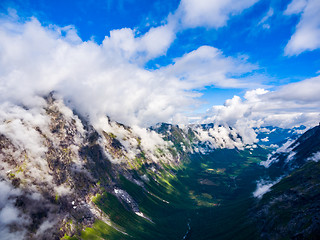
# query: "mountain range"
(63, 176)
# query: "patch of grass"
(101, 230)
(66, 237)
(213, 193)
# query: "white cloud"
(104, 79)
(157, 40)
(238, 114)
(294, 104)
(263, 187)
(9, 213)
(208, 66)
(35, 60)
(315, 157)
(21, 133)
(296, 7)
(99, 80)
(210, 13)
(6, 191)
(264, 20)
(221, 137)
(139, 49)
(307, 34)
(129, 44)
(304, 92)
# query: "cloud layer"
(208, 66)
(108, 79)
(291, 105)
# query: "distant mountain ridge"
(275, 137)
(295, 153)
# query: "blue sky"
(251, 34)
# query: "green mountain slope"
(291, 210)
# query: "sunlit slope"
(206, 198)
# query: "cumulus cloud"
(210, 13)
(307, 33)
(125, 43)
(208, 66)
(291, 105)
(136, 47)
(36, 60)
(237, 113)
(107, 79)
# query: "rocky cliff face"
(52, 164)
(41, 164)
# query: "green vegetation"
(211, 193)
(65, 237)
(111, 135)
(293, 205)
(101, 230)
